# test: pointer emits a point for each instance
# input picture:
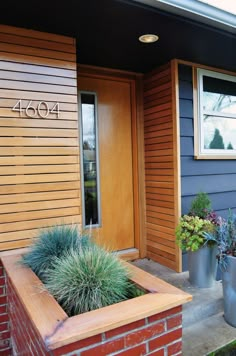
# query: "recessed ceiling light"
(148, 38)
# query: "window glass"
(216, 114)
(90, 159)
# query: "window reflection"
(219, 133)
(89, 142)
(219, 113)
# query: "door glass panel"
(90, 159)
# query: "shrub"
(88, 280)
(50, 243)
(201, 205)
(193, 232)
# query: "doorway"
(110, 162)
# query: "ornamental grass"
(81, 275)
(88, 280)
(50, 243)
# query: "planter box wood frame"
(57, 330)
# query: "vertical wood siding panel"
(38, 156)
(161, 174)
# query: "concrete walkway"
(204, 327)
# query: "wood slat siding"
(215, 177)
(39, 157)
(160, 166)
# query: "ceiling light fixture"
(148, 38)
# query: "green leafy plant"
(88, 280)
(53, 242)
(192, 233)
(201, 205)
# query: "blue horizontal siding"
(186, 146)
(186, 108)
(185, 73)
(186, 127)
(185, 90)
(190, 167)
(215, 177)
(191, 185)
(220, 201)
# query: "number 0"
(40, 109)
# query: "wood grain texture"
(39, 157)
(115, 160)
(161, 165)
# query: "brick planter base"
(4, 317)
(38, 326)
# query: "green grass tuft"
(52, 243)
(88, 280)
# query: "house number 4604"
(40, 109)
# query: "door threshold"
(128, 254)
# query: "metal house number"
(42, 109)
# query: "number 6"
(30, 107)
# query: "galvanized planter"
(229, 291)
(202, 265)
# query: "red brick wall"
(24, 338)
(160, 334)
(4, 318)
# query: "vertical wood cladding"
(39, 153)
(161, 167)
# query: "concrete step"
(204, 327)
(206, 302)
(207, 335)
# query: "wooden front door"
(114, 143)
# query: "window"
(90, 166)
(216, 118)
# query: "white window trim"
(200, 151)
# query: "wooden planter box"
(149, 324)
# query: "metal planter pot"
(202, 265)
(229, 291)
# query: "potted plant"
(196, 234)
(226, 232)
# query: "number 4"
(56, 109)
(18, 107)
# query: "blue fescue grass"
(50, 243)
(88, 280)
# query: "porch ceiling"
(107, 33)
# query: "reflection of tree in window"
(219, 95)
(219, 109)
(219, 103)
(86, 145)
(89, 150)
(217, 142)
